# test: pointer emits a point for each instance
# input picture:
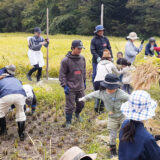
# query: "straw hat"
(75, 153)
(11, 69)
(139, 107)
(106, 54)
(132, 36)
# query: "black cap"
(77, 44)
(37, 29)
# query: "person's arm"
(95, 94)
(109, 47)
(124, 96)
(63, 73)
(33, 46)
(116, 71)
(84, 74)
(152, 150)
(156, 51)
(147, 50)
(93, 49)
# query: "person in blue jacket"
(149, 50)
(136, 143)
(12, 93)
(98, 44)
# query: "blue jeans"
(94, 65)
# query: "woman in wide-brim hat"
(131, 50)
(113, 97)
(135, 141)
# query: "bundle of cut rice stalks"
(146, 74)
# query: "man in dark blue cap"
(34, 53)
(72, 77)
(98, 44)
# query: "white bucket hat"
(75, 153)
(132, 36)
(139, 107)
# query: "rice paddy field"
(47, 139)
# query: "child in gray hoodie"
(113, 97)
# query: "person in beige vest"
(75, 153)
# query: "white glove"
(82, 99)
(98, 59)
(145, 57)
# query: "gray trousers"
(72, 103)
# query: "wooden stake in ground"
(47, 63)
(102, 13)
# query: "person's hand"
(98, 59)
(66, 90)
(142, 41)
(110, 113)
(145, 57)
(81, 99)
(152, 48)
(47, 40)
(43, 43)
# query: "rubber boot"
(96, 107)
(68, 120)
(79, 118)
(3, 128)
(39, 74)
(29, 74)
(113, 151)
(21, 128)
(101, 107)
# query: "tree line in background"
(81, 16)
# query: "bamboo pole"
(102, 13)
(47, 63)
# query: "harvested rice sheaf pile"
(146, 74)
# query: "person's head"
(138, 108)
(77, 47)
(37, 31)
(111, 83)
(99, 30)
(132, 36)
(106, 55)
(152, 41)
(11, 69)
(119, 55)
(123, 62)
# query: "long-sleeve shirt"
(131, 51)
(112, 101)
(144, 146)
(148, 49)
(35, 43)
(157, 49)
(98, 44)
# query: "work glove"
(81, 99)
(145, 57)
(98, 59)
(152, 48)
(142, 41)
(66, 90)
(157, 137)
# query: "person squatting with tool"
(113, 98)
(12, 93)
(72, 77)
(34, 53)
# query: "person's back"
(141, 147)
(10, 85)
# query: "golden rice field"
(46, 137)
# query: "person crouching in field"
(136, 143)
(105, 66)
(113, 98)
(12, 93)
(72, 77)
(149, 50)
(34, 53)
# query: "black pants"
(98, 101)
(36, 68)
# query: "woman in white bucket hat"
(136, 143)
(75, 153)
(131, 50)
